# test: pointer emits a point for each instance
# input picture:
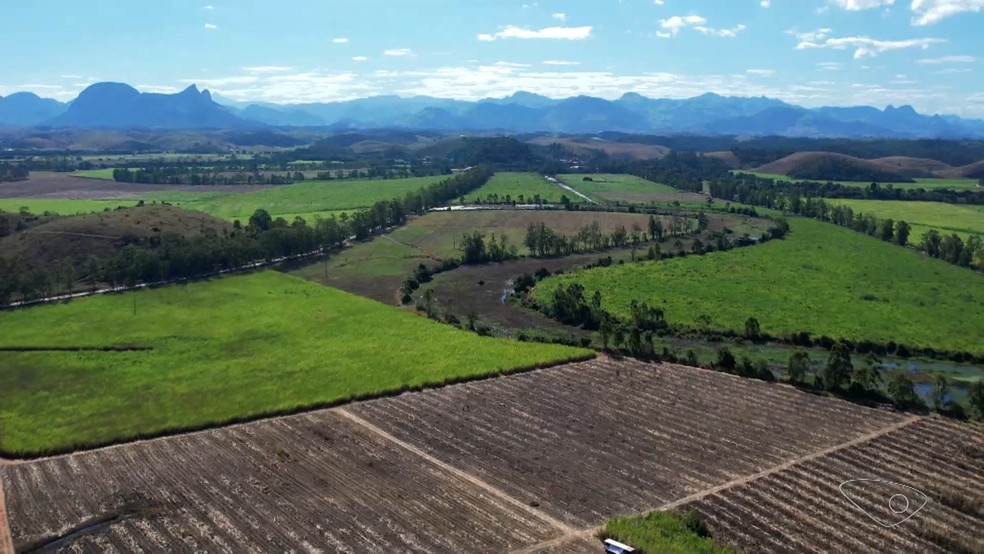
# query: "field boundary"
(6, 540)
(494, 491)
(585, 533)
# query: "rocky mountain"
(120, 106)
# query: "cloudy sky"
(926, 53)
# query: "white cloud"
(560, 62)
(857, 5)
(724, 33)
(553, 33)
(809, 36)
(208, 7)
(765, 3)
(160, 89)
(211, 26)
(559, 16)
(828, 66)
(511, 64)
(219, 82)
(359, 59)
(71, 76)
(398, 52)
(672, 25)
(268, 69)
(658, 2)
(340, 40)
(864, 47)
(947, 59)
(928, 12)
(761, 72)
(953, 71)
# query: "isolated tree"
(655, 228)
(725, 361)
(902, 231)
(940, 395)
(839, 368)
(868, 376)
(902, 391)
(691, 359)
(975, 399)
(752, 329)
(799, 367)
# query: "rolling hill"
(102, 234)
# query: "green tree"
(725, 361)
(868, 376)
(839, 368)
(902, 391)
(260, 220)
(655, 228)
(886, 230)
(799, 367)
(931, 243)
(941, 392)
(975, 399)
(902, 231)
(752, 329)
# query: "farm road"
(6, 542)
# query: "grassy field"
(270, 343)
(952, 184)
(104, 174)
(606, 186)
(301, 198)
(822, 278)
(61, 206)
(515, 184)
(663, 532)
(923, 216)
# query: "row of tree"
(544, 241)
(13, 172)
(752, 189)
(175, 175)
(950, 248)
(168, 257)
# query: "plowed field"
(527, 463)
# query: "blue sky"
(925, 53)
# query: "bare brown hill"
(102, 234)
(626, 150)
(726, 156)
(969, 171)
(836, 167)
(915, 167)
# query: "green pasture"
(221, 351)
(514, 185)
(822, 279)
(607, 186)
(61, 206)
(924, 183)
(923, 216)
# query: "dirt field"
(44, 184)
(801, 508)
(526, 463)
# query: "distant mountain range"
(120, 106)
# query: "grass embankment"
(306, 199)
(226, 350)
(923, 216)
(619, 188)
(663, 533)
(823, 279)
(514, 185)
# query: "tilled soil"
(802, 508)
(65, 186)
(530, 463)
(591, 440)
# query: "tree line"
(949, 248)
(760, 189)
(13, 172)
(170, 256)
